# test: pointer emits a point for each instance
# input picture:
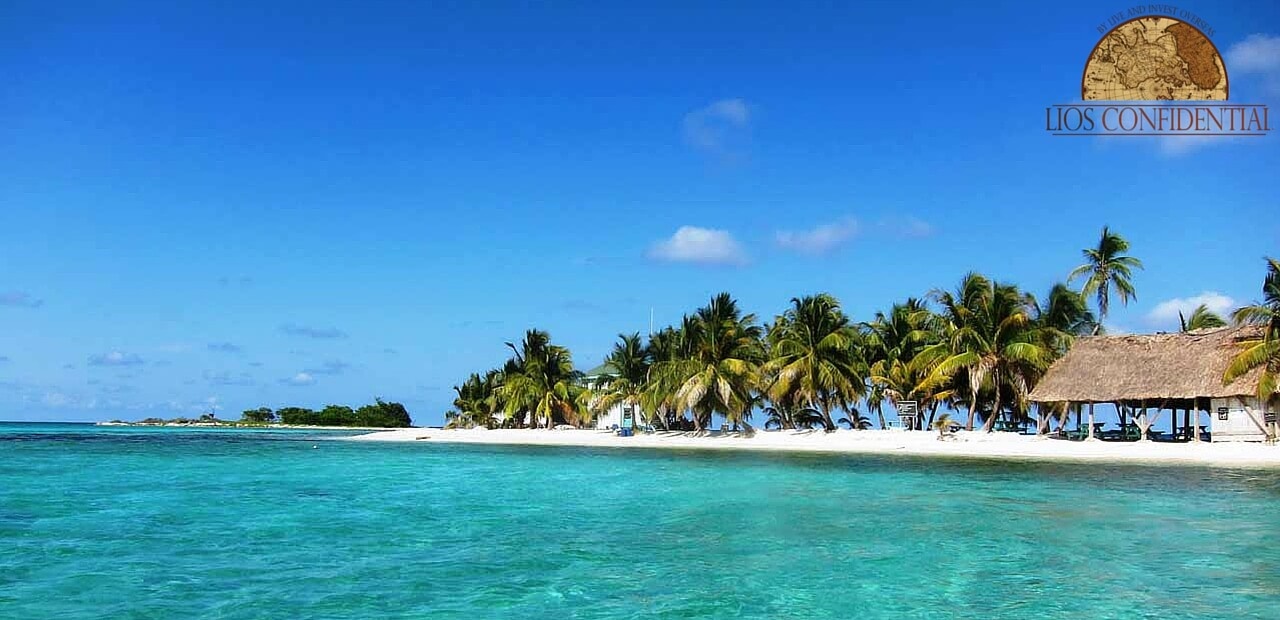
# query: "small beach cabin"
(618, 416)
(1179, 373)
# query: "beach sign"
(907, 411)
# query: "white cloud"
(301, 378)
(819, 239)
(1258, 54)
(1166, 312)
(115, 358)
(691, 244)
(721, 128)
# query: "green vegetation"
(205, 418)
(1106, 267)
(979, 349)
(380, 414)
(260, 415)
(1201, 318)
(1262, 352)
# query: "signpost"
(908, 411)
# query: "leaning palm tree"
(1201, 318)
(718, 370)
(815, 358)
(1264, 351)
(1106, 268)
(992, 339)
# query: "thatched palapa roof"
(1149, 366)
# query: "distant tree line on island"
(976, 350)
(379, 414)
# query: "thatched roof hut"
(1156, 367)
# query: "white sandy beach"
(919, 443)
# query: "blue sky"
(274, 204)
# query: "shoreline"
(234, 425)
(975, 444)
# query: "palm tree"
(545, 386)
(943, 426)
(992, 339)
(718, 369)
(1107, 268)
(892, 346)
(1201, 318)
(899, 380)
(782, 415)
(1264, 351)
(629, 363)
(815, 359)
(1060, 319)
(854, 420)
(474, 404)
(657, 399)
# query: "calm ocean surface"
(164, 523)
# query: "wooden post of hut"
(1091, 437)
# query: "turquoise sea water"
(164, 523)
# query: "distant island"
(380, 414)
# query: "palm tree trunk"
(995, 407)
(826, 414)
(880, 414)
(933, 411)
(973, 406)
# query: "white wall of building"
(613, 417)
(1230, 420)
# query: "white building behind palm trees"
(618, 416)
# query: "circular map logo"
(1154, 59)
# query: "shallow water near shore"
(119, 522)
